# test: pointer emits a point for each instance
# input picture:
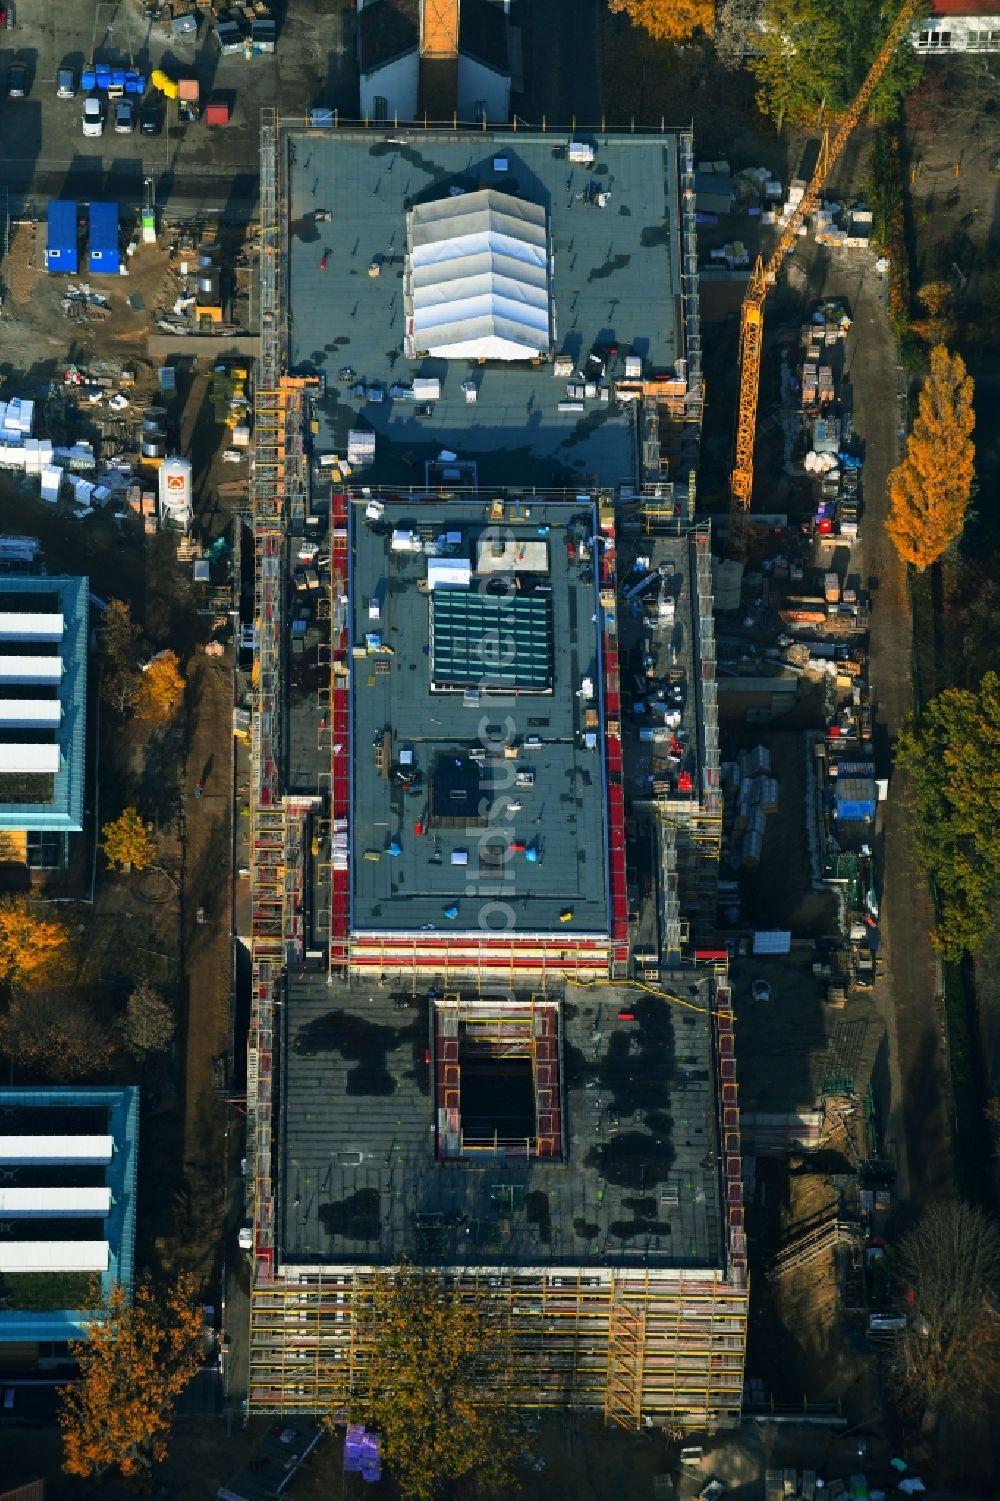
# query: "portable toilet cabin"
(60, 239)
(103, 257)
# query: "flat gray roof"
(360, 1182)
(615, 280)
(549, 799)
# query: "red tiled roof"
(967, 8)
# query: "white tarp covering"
(91, 1149)
(30, 669)
(34, 713)
(27, 627)
(477, 279)
(55, 1203)
(25, 760)
(448, 573)
(54, 1256)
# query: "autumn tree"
(939, 300)
(139, 1357)
(668, 20)
(127, 844)
(33, 949)
(947, 1360)
(121, 642)
(56, 1032)
(810, 58)
(929, 491)
(148, 1023)
(434, 1381)
(953, 757)
(161, 688)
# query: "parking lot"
(45, 153)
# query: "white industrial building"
(68, 1159)
(477, 279)
(957, 26)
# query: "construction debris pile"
(806, 1485)
(81, 303)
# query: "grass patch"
(44, 1292)
(971, 1164)
(924, 648)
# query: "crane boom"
(765, 275)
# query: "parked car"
(124, 117)
(150, 120)
(17, 81)
(760, 990)
(65, 84)
(93, 116)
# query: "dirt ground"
(954, 207)
(566, 1457)
(175, 928)
(797, 1345)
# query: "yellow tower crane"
(765, 275)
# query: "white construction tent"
(477, 279)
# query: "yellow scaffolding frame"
(628, 1343)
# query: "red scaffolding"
(340, 903)
(613, 739)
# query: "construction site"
(483, 1037)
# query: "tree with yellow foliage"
(939, 300)
(668, 20)
(161, 688)
(33, 950)
(434, 1383)
(139, 1357)
(127, 845)
(929, 491)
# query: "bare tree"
(148, 1024)
(948, 1358)
(737, 30)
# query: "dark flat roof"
(360, 1182)
(483, 33)
(615, 283)
(549, 798)
(388, 29)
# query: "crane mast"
(766, 274)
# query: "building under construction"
(485, 763)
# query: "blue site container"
(104, 257)
(60, 240)
(88, 80)
(855, 799)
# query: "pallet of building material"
(752, 846)
(768, 794)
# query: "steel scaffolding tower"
(267, 832)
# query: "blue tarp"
(104, 257)
(60, 240)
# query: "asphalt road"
(919, 1123)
